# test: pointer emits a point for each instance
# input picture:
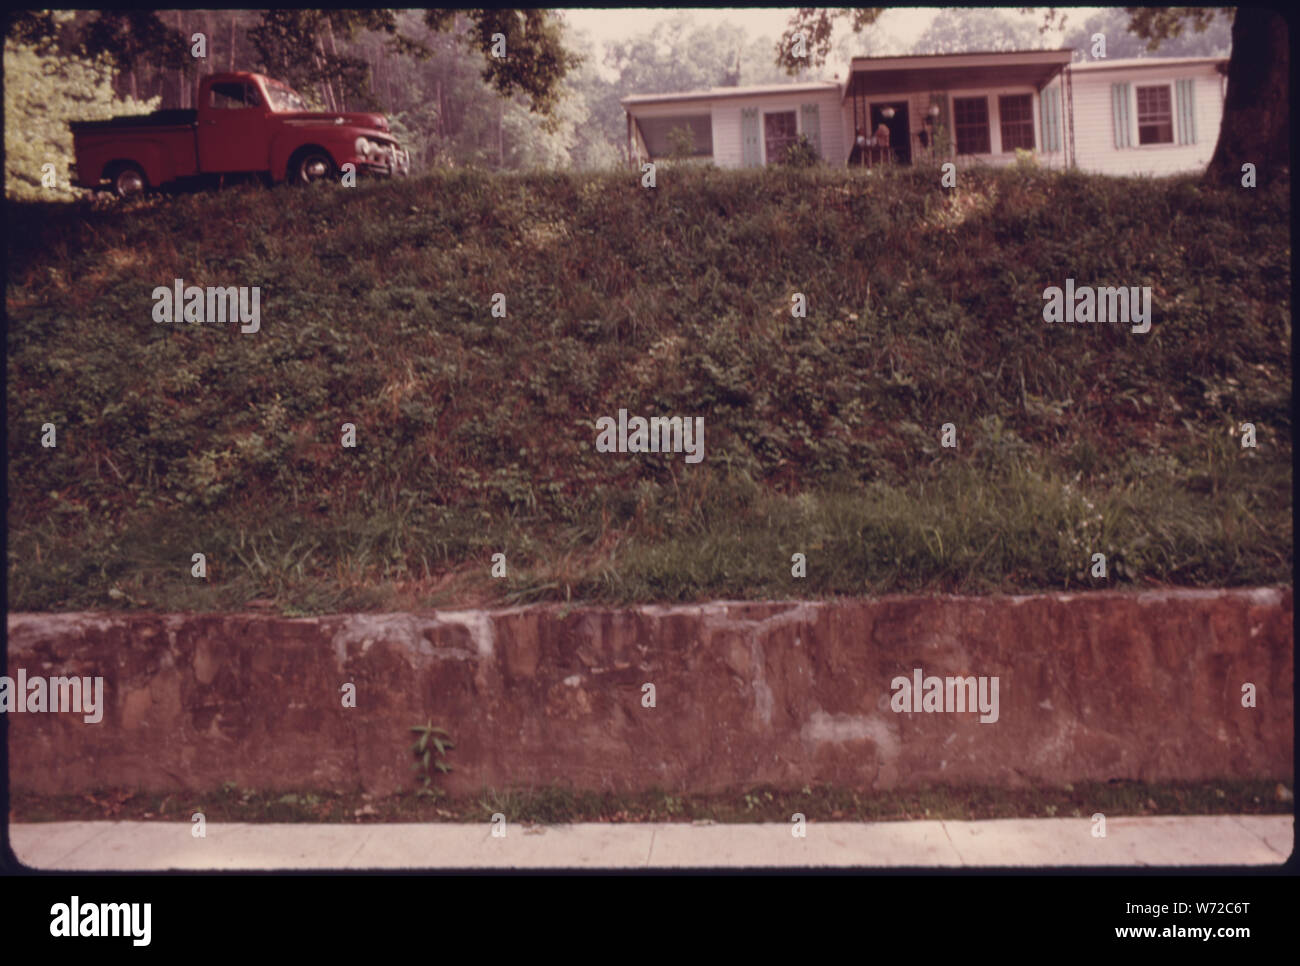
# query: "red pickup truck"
(245, 124)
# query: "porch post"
(1069, 111)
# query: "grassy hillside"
(475, 434)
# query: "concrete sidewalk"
(1163, 841)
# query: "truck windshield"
(285, 98)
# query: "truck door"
(233, 133)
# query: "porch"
(983, 106)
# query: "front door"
(900, 130)
(233, 132)
(780, 130)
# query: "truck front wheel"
(310, 166)
(128, 181)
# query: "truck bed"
(156, 119)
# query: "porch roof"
(941, 72)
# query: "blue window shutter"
(1050, 109)
(1186, 111)
(749, 155)
(812, 125)
(1043, 113)
(1119, 96)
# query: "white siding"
(1094, 140)
(727, 151)
(1094, 137)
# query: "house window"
(1017, 116)
(1155, 115)
(971, 122)
(779, 131)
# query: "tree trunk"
(230, 61)
(334, 56)
(182, 88)
(326, 85)
(1256, 126)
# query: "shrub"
(681, 142)
(802, 153)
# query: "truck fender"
(150, 157)
(284, 148)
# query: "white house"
(1136, 116)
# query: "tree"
(806, 41)
(535, 61)
(1256, 125)
(301, 48)
(673, 58)
(958, 30)
(521, 50)
(1113, 23)
(129, 37)
(44, 90)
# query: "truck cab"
(244, 124)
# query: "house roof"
(715, 93)
(1129, 63)
(931, 72)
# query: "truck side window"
(233, 96)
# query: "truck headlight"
(362, 147)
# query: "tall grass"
(476, 433)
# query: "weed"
(430, 749)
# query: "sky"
(904, 23)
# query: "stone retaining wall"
(1090, 686)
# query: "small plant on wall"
(430, 750)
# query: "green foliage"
(43, 92)
(1210, 36)
(681, 142)
(962, 30)
(300, 47)
(1157, 25)
(817, 26)
(802, 153)
(476, 434)
(558, 803)
(128, 37)
(1026, 160)
(430, 750)
(536, 60)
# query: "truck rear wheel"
(128, 181)
(310, 166)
